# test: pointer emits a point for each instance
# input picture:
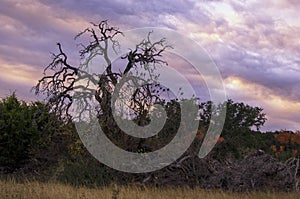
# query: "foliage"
(46, 134)
(237, 135)
(286, 144)
(238, 115)
(69, 161)
(25, 130)
(18, 131)
(85, 171)
(243, 116)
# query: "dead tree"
(60, 81)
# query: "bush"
(23, 129)
(85, 172)
(18, 132)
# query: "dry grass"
(12, 190)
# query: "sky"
(254, 43)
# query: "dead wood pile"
(257, 171)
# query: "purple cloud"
(255, 41)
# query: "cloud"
(277, 107)
(257, 46)
(19, 74)
(256, 42)
(19, 78)
(274, 72)
(130, 13)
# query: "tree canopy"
(23, 127)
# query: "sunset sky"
(254, 43)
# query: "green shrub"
(24, 128)
(85, 172)
(18, 132)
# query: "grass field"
(12, 190)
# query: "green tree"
(238, 131)
(18, 132)
(238, 115)
(26, 129)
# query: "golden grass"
(33, 190)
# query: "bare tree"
(61, 79)
(60, 84)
